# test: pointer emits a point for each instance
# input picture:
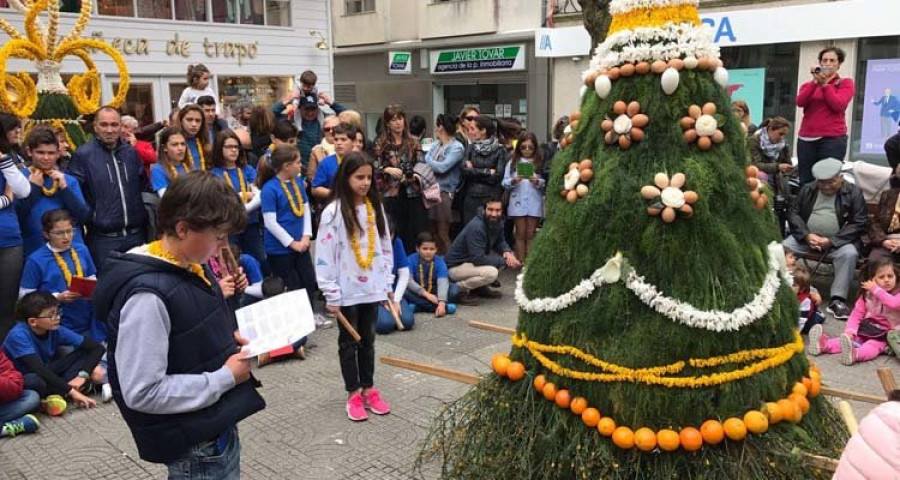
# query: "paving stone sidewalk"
(304, 432)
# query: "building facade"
(253, 48)
(769, 48)
(438, 56)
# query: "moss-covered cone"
(715, 260)
(56, 106)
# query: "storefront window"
(138, 102)
(190, 10)
(155, 9)
(494, 100)
(71, 6)
(256, 90)
(247, 12)
(876, 108)
(278, 13)
(116, 8)
(776, 82)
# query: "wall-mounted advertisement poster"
(881, 112)
(749, 85)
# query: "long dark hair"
(517, 153)
(448, 121)
(272, 164)
(162, 156)
(342, 191)
(386, 138)
(9, 123)
(202, 138)
(218, 154)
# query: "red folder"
(84, 286)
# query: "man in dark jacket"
(112, 178)
(175, 363)
(892, 150)
(828, 217)
(215, 124)
(479, 251)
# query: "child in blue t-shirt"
(172, 161)
(51, 269)
(32, 345)
(326, 172)
(385, 323)
(430, 288)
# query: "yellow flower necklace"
(299, 207)
(365, 263)
(244, 190)
(202, 157)
(188, 166)
(48, 192)
(67, 274)
(156, 249)
(430, 277)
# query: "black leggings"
(358, 359)
(296, 270)
(809, 153)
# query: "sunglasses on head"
(328, 129)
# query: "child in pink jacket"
(874, 452)
(877, 312)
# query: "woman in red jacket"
(824, 99)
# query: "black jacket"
(478, 244)
(851, 210)
(480, 182)
(200, 340)
(112, 182)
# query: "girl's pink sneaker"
(356, 409)
(375, 403)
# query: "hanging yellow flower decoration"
(47, 50)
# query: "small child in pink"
(877, 312)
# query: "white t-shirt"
(190, 95)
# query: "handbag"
(869, 330)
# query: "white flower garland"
(676, 310)
(649, 44)
(618, 7)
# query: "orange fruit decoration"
(756, 422)
(712, 432)
(668, 440)
(735, 429)
(591, 417)
(815, 387)
(500, 363)
(539, 382)
(606, 427)
(645, 439)
(578, 405)
(799, 389)
(549, 391)
(790, 410)
(807, 382)
(563, 399)
(515, 371)
(691, 439)
(773, 412)
(623, 437)
(801, 402)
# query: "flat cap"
(827, 168)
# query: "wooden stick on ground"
(442, 372)
(887, 380)
(390, 307)
(849, 417)
(492, 328)
(352, 331)
(859, 397)
(818, 461)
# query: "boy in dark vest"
(175, 365)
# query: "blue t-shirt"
(326, 172)
(32, 209)
(440, 271)
(10, 234)
(275, 201)
(400, 260)
(251, 269)
(194, 150)
(21, 341)
(249, 178)
(42, 273)
(158, 178)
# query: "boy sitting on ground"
(429, 287)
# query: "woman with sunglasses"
(523, 180)
(326, 147)
(466, 116)
(482, 171)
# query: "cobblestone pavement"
(304, 432)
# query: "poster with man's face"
(881, 109)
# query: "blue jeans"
(251, 243)
(101, 245)
(205, 462)
(423, 305)
(386, 324)
(26, 403)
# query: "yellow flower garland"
(48, 192)
(654, 17)
(67, 274)
(202, 156)
(772, 357)
(173, 169)
(156, 249)
(298, 208)
(365, 263)
(244, 189)
(430, 278)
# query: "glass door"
(142, 100)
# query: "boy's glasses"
(55, 316)
(62, 233)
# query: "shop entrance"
(500, 100)
(143, 100)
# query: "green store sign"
(473, 60)
(400, 63)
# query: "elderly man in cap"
(308, 118)
(828, 217)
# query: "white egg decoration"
(602, 85)
(571, 179)
(669, 80)
(690, 62)
(721, 76)
(583, 90)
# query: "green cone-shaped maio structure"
(655, 292)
